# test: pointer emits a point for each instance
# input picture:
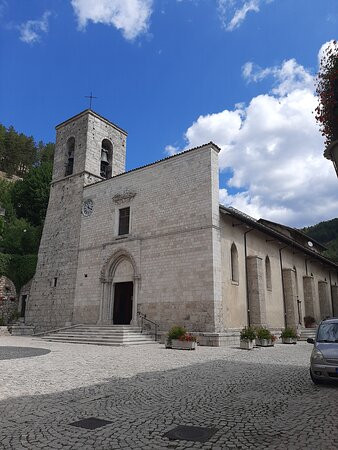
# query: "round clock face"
(87, 207)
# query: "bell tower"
(88, 149)
(89, 143)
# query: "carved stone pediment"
(124, 197)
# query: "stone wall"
(174, 212)
(290, 298)
(334, 293)
(309, 295)
(302, 279)
(256, 291)
(51, 302)
(324, 299)
(8, 300)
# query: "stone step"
(85, 338)
(102, 333)
(112, 338)
(308, 333)
(115, 335)
(108, 343)
(111, 328)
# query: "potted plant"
(309, 322)
(265, 338)
(185, 342)
(180, 340)
(289, 336)
(248, 336)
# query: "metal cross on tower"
(90, 99)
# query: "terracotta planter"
(289, 340)
(247, 345)
(264, 343)
(183, 345)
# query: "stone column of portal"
(290, 297)
(105, 307)
(309, 295)
(256, 291)
(324, 299)
(135, 298)
(334, 290)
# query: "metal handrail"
(144, 318)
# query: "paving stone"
(254, 399)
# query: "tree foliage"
(30, 195)
(327, 90)
(327, 234)
(19, 153)
(23, 203)
(18, 268)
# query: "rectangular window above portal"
(124, 221)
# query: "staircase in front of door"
(113, 335)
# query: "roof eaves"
(212, 144)
(93, 113)
(281, 237)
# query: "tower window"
(55, 282)
(106, 159)
(70, 156)
(124, 221)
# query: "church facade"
(155, 241)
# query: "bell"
(104, 156)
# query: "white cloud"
(171, 150)
(3, 6)
(233, 12)
(274, 150)
(288, 77)
(31, 30)
(130, 16)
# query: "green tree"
(45, 152)
(30, 195)
(19, 237)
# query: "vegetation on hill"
(327, 234)
(19, 153)
(23, 202)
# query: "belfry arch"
(119, 289)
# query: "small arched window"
(234, 264)
(106, 159)
(268, 273)
(70, 156)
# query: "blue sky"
(176, 74)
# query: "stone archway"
(119, 290)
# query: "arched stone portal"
(119, 290)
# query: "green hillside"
(25, 176)
(327, 234)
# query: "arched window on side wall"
(70, 156)
(268, 274)
(234, 264)
(106, 159)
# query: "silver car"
(324, 356)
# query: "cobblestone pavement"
(259, 399)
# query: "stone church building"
(155, 240)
